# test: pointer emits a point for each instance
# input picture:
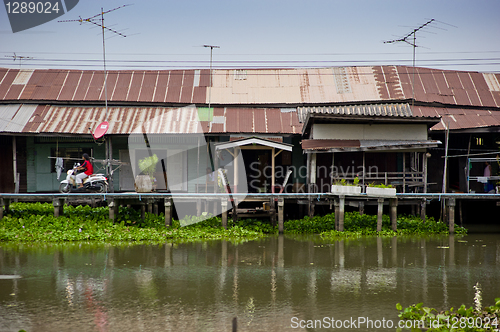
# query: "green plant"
(343, 182)
(147, 165)
(379, 185)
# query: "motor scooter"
(96, 183)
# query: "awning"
(332, 145)
(253, 140)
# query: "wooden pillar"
(451, 214)
(58, 204)
(361, 206)
(341, 212)
(273, 167)
(224, 213)
(404, 172)
(143, 211)
(150, 206)
(168, 211)
(393, 202)
(311, 208)
(4, 204)
(281, 207)
(380, 211)
(155, 207)
(423, 209)
(425, 171)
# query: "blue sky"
(263, 33)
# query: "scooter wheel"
(101, 188)
(65, 188)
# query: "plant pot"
(143, 184)
(381, 192)
(346, 190)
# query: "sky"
(262, 34)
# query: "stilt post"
(423, 208)
(58, 204)
(337, 213)
(394, 213)
(224, 213)
(341, 212)
(281, 206)
(168, 211)
(451, 214)
(380, 211)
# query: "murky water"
(275, 284)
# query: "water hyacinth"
(35, 222)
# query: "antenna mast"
(98, 20)
(406, 39)
(19, 57)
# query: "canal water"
(273, 284)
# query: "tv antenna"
(16, 57)
(408, 39)
(98, 20)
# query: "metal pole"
(210, 84)
(446, 158)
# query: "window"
(70, 156)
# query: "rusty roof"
(153, 120)
(460, 118)
(385, 110)
(299, 86)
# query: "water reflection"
(202, 286)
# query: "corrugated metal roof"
(14, 117)
(152, 120)
(460, 118)
(304, 86)
(390, 110)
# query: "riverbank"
(34, 222)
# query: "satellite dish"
(101, 130)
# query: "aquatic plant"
(474, 318)
(34, 222)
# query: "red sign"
(101, 130)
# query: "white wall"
(370, 131)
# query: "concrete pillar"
(393, 202)
(168, 211)
(451, 214)
(155, 207)
(58, 204)
(281, 207)
(337, 213)
(224, 213)
(380, 211)
(341, 212)
(111, 209)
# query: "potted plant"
(380, 190)
(342, 187)
(144, 182)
